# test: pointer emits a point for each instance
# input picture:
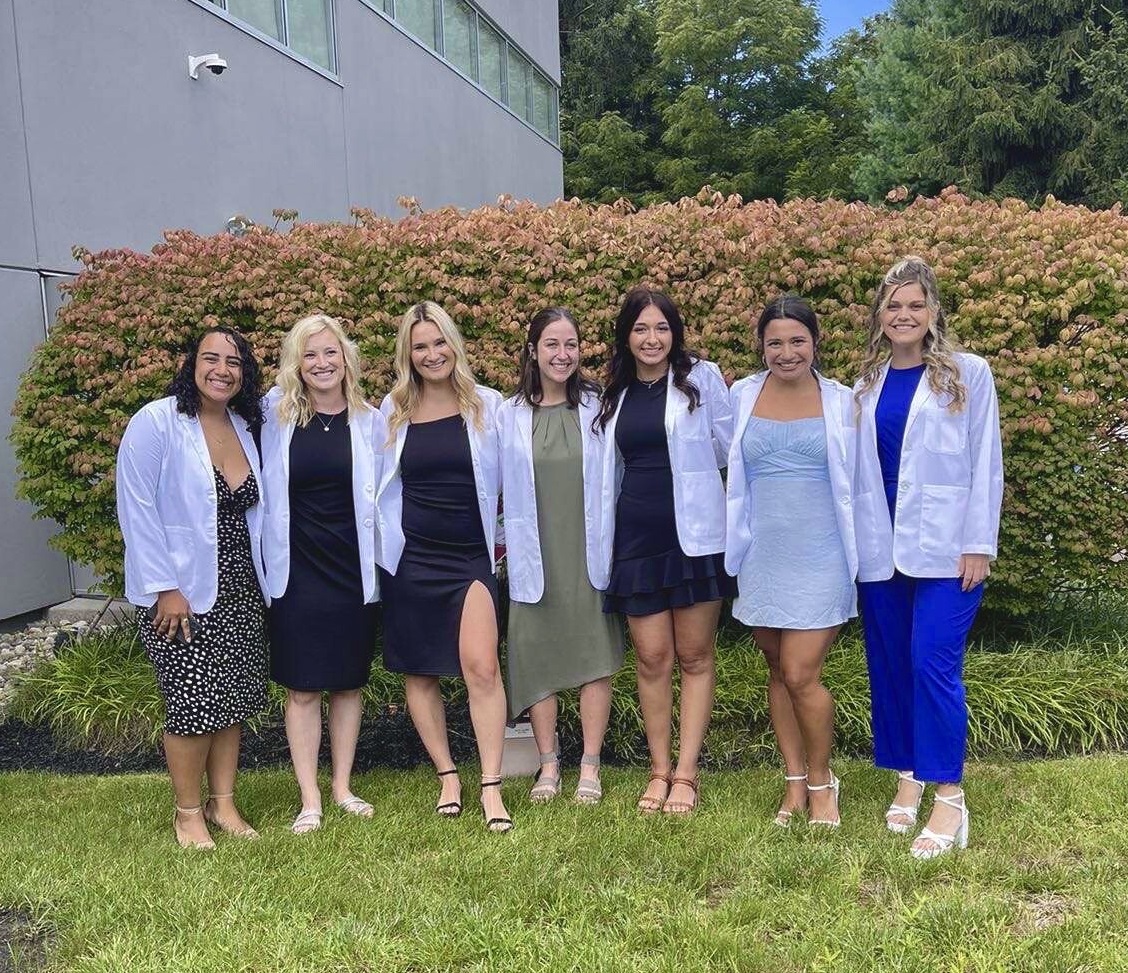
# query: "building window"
(305, 26)
(461, 35)
(491, 60)
(418, 16)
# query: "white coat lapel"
(922, 394)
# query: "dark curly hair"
(621, 369)
(247, 402)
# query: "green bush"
(1041, 293)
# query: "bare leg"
(595, 712)
(223, 762)
(345, 709)
(303, 731)
(477, 651)
(542, 715)
(788, 737)
(802, 654)
(187, 757)
(695, 635)
(425, 704)
(944, 819)
(653, 638)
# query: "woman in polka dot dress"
(188, 503)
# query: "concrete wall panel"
(31, 573)
(17, 234)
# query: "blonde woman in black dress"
(320, 470)
(437, 519)
(188, 504)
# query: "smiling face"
(789, 350)
(431, 356)
(905, 318)
(557, 353)
(219, 369)
(650, 340)
(322, 366)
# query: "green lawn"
(1043, 887)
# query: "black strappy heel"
(496, 825)
(451, 809)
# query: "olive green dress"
(564, 640)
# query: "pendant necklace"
(325, 425)
(650, 385)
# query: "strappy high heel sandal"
(944, 843)
(904, 810)
(498, 825)
(835, 785)
(546, 787)
(589, 791)
(451, 809)
(783, 815)
(181, 838)
(209, 813)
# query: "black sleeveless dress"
(322, 634)
(649, 571)
(444, 551)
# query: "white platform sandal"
(904, 810)
(943, 843)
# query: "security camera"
(213, 62)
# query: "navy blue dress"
(444, 551)
(322, 634)
(649, 571)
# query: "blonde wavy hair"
(406, 392)
(941, 368)
(295, 405)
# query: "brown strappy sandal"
(682, 807)
(652, 805)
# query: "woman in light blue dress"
(791, 541)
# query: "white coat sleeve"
(985, 501)
(139, 462)
(715, 397)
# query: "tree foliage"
(1041, 293)
(1000, 97)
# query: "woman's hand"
(974, 569)
(172, 614)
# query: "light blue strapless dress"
(794, 574)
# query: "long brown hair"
(529, 381)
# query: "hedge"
(1042, 293)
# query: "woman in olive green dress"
(559, 637)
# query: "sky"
(840, 15)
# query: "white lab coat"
(487, 480)
(166, 504)
(519, 516)
(699, 444)
(367, 433)
(841, 444)
(950, 482)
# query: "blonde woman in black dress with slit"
(436, 517)
(320, 469)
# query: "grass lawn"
(1044, 886)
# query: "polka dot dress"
(218, 679)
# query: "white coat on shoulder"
(949, 484)
(699, 444)
(487, 480)
(841, 450)
(167, 506)
(367, 433)
(519, 508)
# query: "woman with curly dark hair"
(188, 504)
(666, 424)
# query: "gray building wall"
(105, 142)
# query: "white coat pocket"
(944, 432)
(941, 514)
